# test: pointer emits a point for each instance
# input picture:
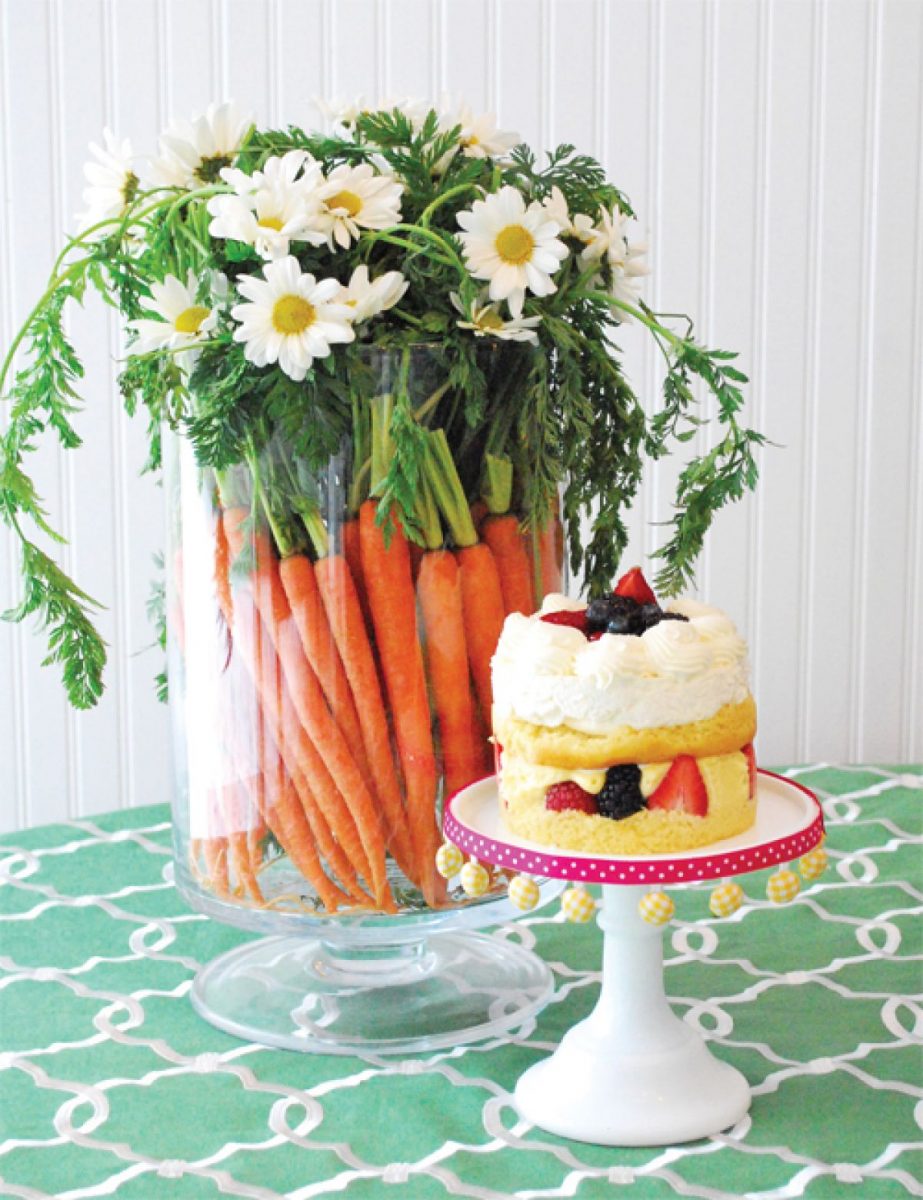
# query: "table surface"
(110, 1085)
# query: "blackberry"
(621, 793)
(606, 609)
(650, 614)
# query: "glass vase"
(329, 685)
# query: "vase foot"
(319, 997)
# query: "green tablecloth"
(110, 1085)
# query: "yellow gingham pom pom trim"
(726, 899)
(656, 908)
(578, 905)
(474, 878)
(524, 892)
(783, 886)
(449, 860)
(813, 864)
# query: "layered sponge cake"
(624, 727)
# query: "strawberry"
(635, 587)
(569, 797)
(576, 620)
(682, 788)
(750, 755)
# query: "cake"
(624, 727)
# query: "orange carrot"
(353, 555)
(439, 592)
(390, 584)
(292, 806)
(550, 559)
(341, 601)
(319, 746)
(501, 533)
(298, 579)
(484, 613)
(333, 826)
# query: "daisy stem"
(451, 256)
(458, 190)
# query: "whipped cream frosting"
(674, 673)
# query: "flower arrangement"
(415, 297)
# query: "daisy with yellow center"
(484, 320)
(181, 322)
(356, 198)
(112, 182)
(479, 136)
(514, 246)
(369, 297)
(290, 317)
(193, 153)
(270, 208)
(608, 244)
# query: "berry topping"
(634, 585)
(605, 610)
(672, 616)
(682, 789)
(650, 614)
(621, 793)
(750, 755)
(569, 797)
(575, 619)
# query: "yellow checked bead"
(726, 899)
(783, 886)
(474, 878)
(524, 892)
(656, 908)
(813, 864)
(578, 905)
(449, 860)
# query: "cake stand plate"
(633, 1073)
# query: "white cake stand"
(633, 1073)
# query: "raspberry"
(576, 620)
(569, 797)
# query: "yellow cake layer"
(730, 810)
(727, 730)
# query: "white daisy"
(342, 114)
(579, 227)
(514, 246)
(369, 297)
(181, 322)
(485, 321)
(193, 153)
(272, 207)
(479, 136)
(610, 239)
(290, 317)
(355, 198)
(112, 182)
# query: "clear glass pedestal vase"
(328, 664)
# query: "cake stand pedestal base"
(632, 1073)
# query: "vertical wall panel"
(773, 153)
(779, 656)
(890, 401)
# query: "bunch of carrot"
(364, 667)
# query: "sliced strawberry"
(569, 797)
(750, 755)
(682, 788)
(635, 586)
(575, 619)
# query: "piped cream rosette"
(567, 708)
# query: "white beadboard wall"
(773, 151)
